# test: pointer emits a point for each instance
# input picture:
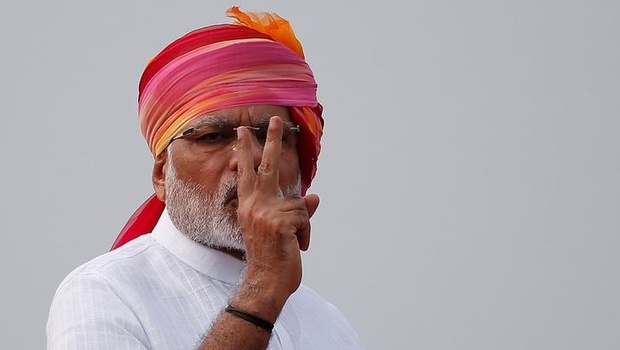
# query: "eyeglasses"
(220, 133)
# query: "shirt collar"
(206, 260)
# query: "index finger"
(245, 162)
(268, 171)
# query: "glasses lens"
(289, 134)
(213, 135)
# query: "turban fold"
(256, 60)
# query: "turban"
(256, 60)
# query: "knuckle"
(240, 145)
(272, 138)
(241, 170)
(264, 167)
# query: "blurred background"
(469, 175)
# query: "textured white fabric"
(163, 291)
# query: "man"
(231, 116)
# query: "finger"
(268, 171)
(245, 162)
(303, 235)
(303, 238)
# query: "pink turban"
(257, 60)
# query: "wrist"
(251, 318)
(260, 297)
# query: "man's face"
(198, 177)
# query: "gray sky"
(469, 174)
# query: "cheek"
(210, 174)
(205, 173)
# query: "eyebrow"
(225, 122)
(213, 120)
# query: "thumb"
(312, 203)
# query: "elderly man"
(231, 116)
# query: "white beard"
(203, 217)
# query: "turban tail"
(257, 60)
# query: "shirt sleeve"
(87, 313)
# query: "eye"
(214, 136)
(261, 134)
(289, 136)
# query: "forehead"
(243, 115)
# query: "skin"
(274, 229)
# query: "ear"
(159, 175)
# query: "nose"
(256, 148)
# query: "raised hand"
(274, 228)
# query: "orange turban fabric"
(257, 60)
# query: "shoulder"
(112, 269)
(91, 304)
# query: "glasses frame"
(192, 130)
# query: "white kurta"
(163, 291)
